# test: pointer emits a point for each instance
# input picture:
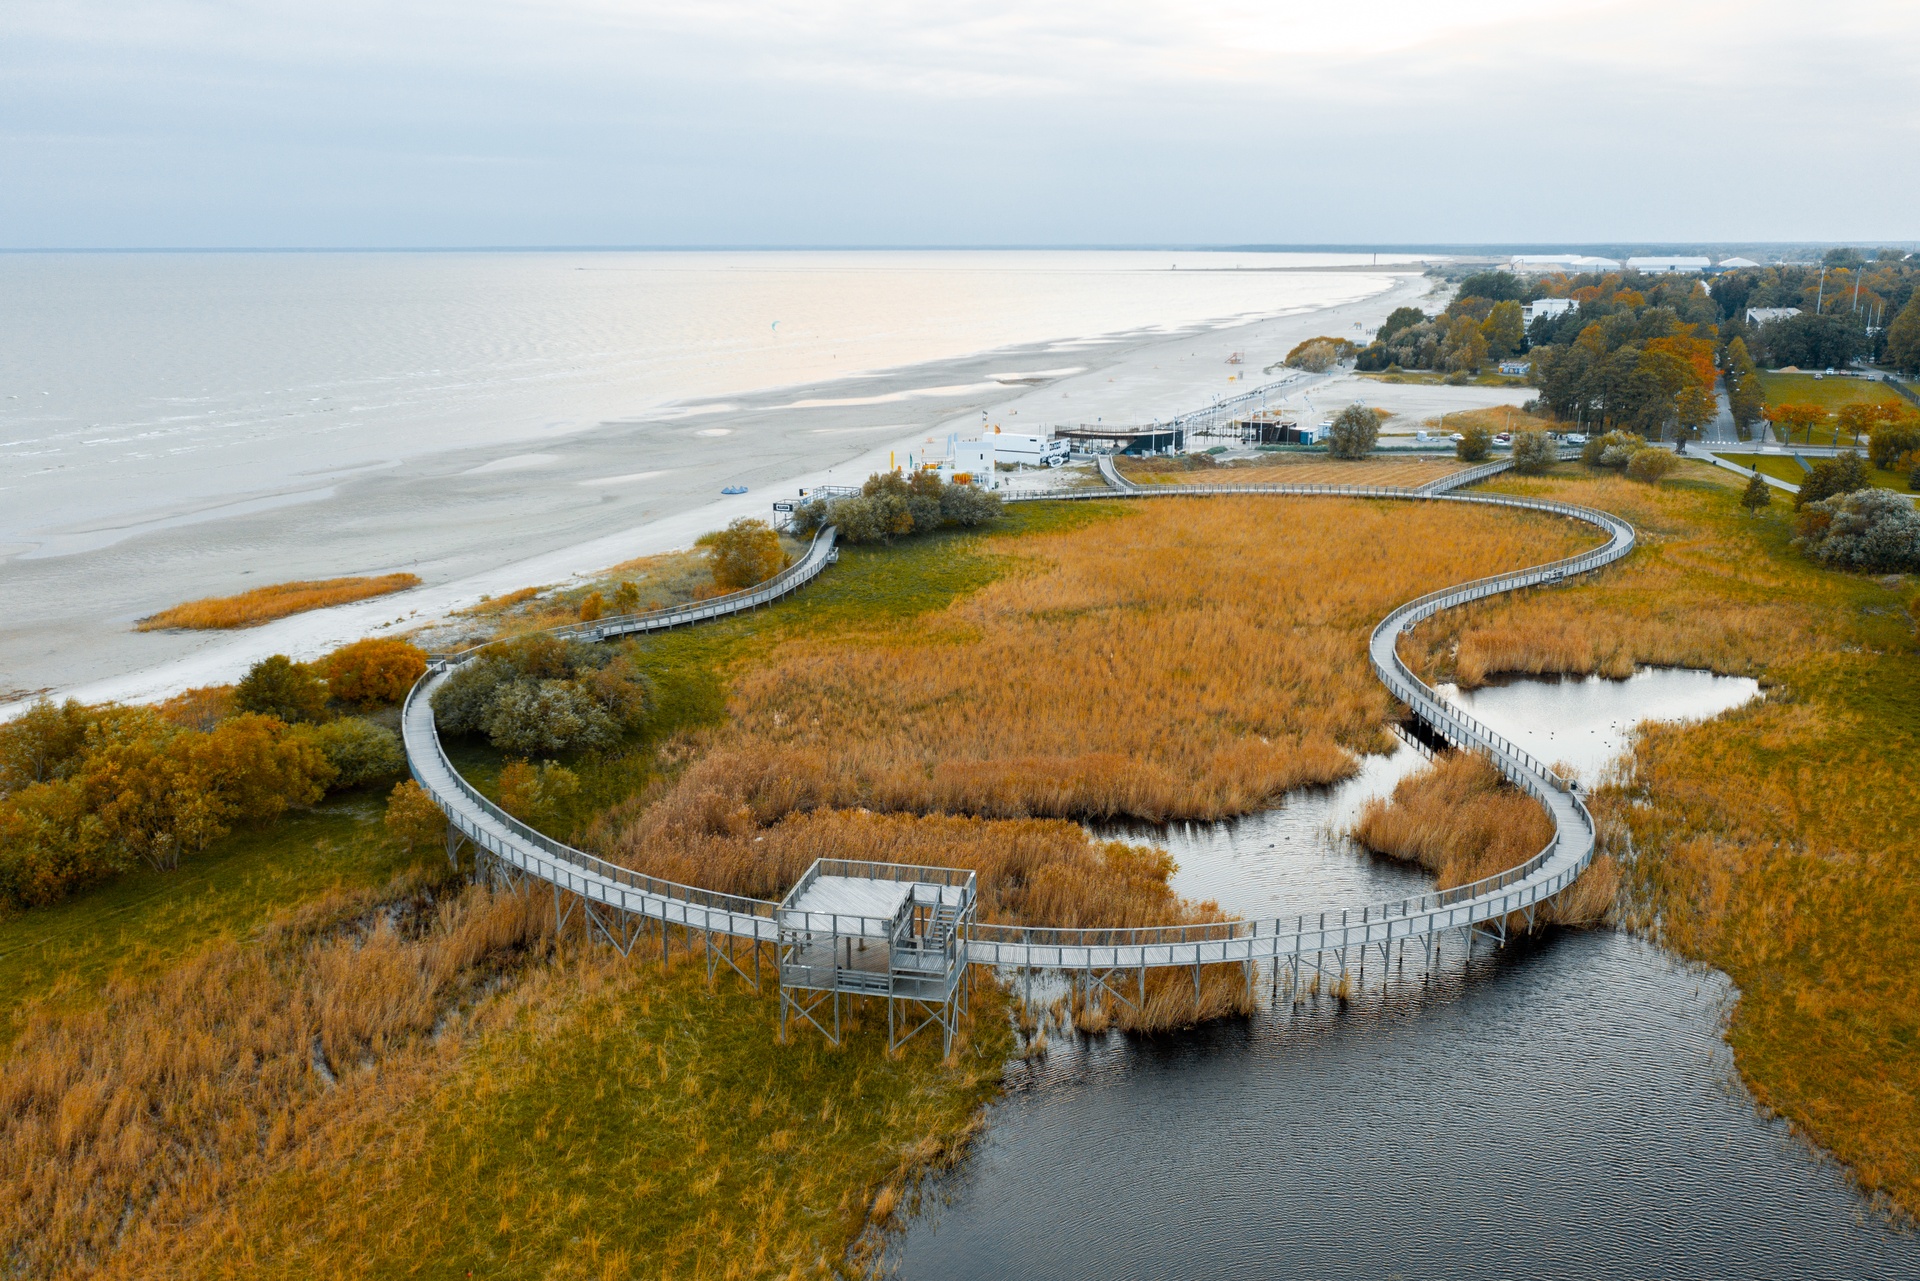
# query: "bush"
(1758, 493)
(537, 796)
(43, 743)
(592, 607)
(744, 554)
(528, 717)
(1533, 453)
(1891, 442)
(626, 598)
(358, 750)
(279, 687)
(1651, 465)
(1355, 431)
(1614, 449)
(889, 506)
(1474, 445)
(1831, 477)
(413, 820)
(373, 672)
(1317, 355)
(588, 696)
(1868, 529)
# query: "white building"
(1545, 307)
(1669, 266)
(1731, 263)
(1757, 316)
(1536, 263)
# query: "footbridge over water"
(626, 907)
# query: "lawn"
(1829, 394)
(1783, 468)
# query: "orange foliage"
(374, 671)
(264, 604)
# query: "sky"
(356, 123)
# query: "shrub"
(1612, 449)
(744, 554)
(43, 743)
(1841, 474)
(358, 750)
(1913, 473)
(1533, 453)
(889, 506)
(590, 694)
(1890, 442)
(592, 607)
(1474, 445)
(965, 506)
(528, 717)
(537, 796)
(200, 708)
(279, 687)
(1758, 493)
(1870, 529)
(1317, 355)
(373, 672)
(1355, 431)
(413, 819)
(626, 598)
(1651, 465)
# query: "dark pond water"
(1563, 1108)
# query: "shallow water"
(1565, 1107)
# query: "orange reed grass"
(264, 604)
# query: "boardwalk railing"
(1492, 899)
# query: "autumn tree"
(592, 607)
(1651, 465)
(626, 598)
(537, 795)
(413, 820)
(1758, 493)
(1355, 431)
(1792, 420)
(1533, 453)
(744, 554)
(43, 743)
(277, 686)
(1504, 329)
(1464, 349)
(1831, 477)
(373, 672)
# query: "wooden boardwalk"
(624, 906)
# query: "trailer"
(1032, 451)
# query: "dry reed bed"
(1293, 469)
(1781, 841)
(1198, 662)
(264, 604)
(124, 1124)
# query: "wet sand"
(490, 520)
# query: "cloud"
(975, 121)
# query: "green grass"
(1433, 378)
(146, 921)
(1790, 471)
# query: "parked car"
(1574, 438)
(1504, 438)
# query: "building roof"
(1738, 262)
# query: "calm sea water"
(127, 379)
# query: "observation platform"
(888, 930)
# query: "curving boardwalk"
(619, 903)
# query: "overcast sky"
(703, 122)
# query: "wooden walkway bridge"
(625, 907)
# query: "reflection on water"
(1566, 1108)
(1588, 721)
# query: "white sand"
(481, 522)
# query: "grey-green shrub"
(359, 751)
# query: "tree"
(1792, 420)
(1505, 330)
(1354, 433)
(1757, 495)
(1475, 443)
(545, 718)
(1464, 349)
(1842, 474)
(374, 672)
(277, 686)
(744, 554)
(43, 743)
(592, 607)
(626, 598)
(537, 795)
(357, 750)
(1533, 453)
(1746, 396)
(413, 820)
(1400, 318)
(1869, 529)
(1903, 339)
(1893, 434)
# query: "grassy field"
(1780, 842)
(145, 922)
(1828, 393)
(1792, 472)
(1432, 378)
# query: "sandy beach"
(490, 519)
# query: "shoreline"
(488, 520)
